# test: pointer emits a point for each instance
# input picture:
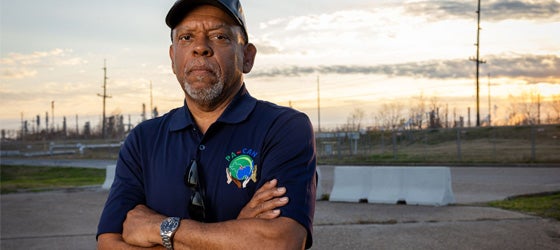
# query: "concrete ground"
(67, 219)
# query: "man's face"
(209, 55)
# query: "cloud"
(265, 46)
(310, 36)
(345, 19)
(29, 59)
(523, 9)
(17, 73)
(531, 68)
(19, 66)
(493, 10)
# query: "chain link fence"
(511, 145)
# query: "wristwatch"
(167, 231)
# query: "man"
(225, 171)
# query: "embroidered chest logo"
(242, 168)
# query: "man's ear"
(172, 57)
(249, 54)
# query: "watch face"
(170, 224)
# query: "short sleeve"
(290, 158)
(127, 189)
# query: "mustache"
(200, 64)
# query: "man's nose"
(202, 48)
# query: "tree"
(555, 106)
(354, 120)
(390, 115)
(524, 109)
(417, 111)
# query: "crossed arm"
(258, 226)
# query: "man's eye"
(185, 38)
(221, 37)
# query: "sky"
(361, 54)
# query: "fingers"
(269, 214)
(269, 209)
(265, 202)
(265, 195)
(267, 192)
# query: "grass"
(33, 179)
(544, 205)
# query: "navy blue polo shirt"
(251, 143)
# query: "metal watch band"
(167, 242)
(167, 230)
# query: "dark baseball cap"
(182, 7)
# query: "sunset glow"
(361, 53)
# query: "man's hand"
(142, 223)
(265, 202)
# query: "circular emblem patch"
(241, 169)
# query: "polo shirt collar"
(181, 119)
(240, 107)
(237, 111)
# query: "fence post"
(425, 144)
(394, 145)
(382, 141)
(459, 157)
(533, 146)
(339, 147)
(494, 143)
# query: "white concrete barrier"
(351, 184)
(427, 186)
(319, 190)
(109, 176)
(391, 185)
(386, 185)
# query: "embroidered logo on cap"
(242, 168)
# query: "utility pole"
(539, 109)
(489, 105)
(318, 107)
(478, 62)
(104, 96)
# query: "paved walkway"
(67, 219)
